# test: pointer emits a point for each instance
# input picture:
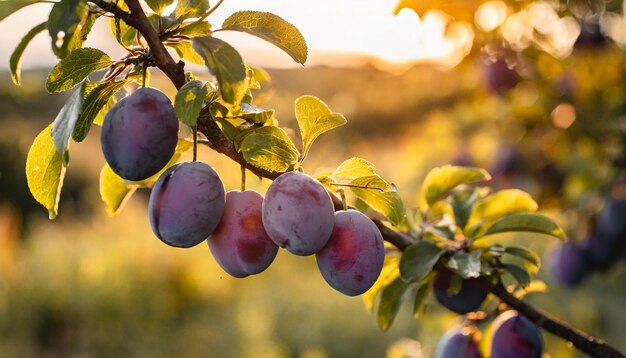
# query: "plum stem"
(195, 142)
(243, 178)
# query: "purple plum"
(514, 336)
(468, 299)
(458, 342)
(568, 264)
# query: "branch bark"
(218, 142)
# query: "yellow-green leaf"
(189, 101)
(197, 28)
(525, 222)
(502, 203)
(271, 28)
(353, 168)
(269, 148)
(16, 57)
(314, 118)
(95, 99)
(388, 203)
(186, 52)
(419, 259)
(45, 172)
(74, 68)
(8, 7)
(65, 121)
(113, 190)
(65, 24)
(440, 181)
(390, 302)
(225, 63)
(158, 5)
(390, 269)
(190, 8)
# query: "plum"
(500, 76)
(468, 299)
(298, 213)
(186, 204)
(239, 244)
(457, 343)
(515, 336)
(352, 259)
(568, 264)
(139, 134)
(611, 224)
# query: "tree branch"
(217, 141)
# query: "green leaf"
(190, 8)
(189, 101)
(45, 172)
(158, 5)
(314, 118)
(418, 260)
(65, 121)
(420, 299)
(66, 18)
(519, 274)
(8, 7)
(467, 264)
(95, 98)
(124, 34)
(269, 148)
(462, 203)
(440, 181)
(186, 52)
(271, 28)
(225, 63)
(197, 28)
(525, 222)
(503, 202)
(113, 190)
(255, 115)
(353, 168)
(387, 274)
(388, 203)
(390, 302)
(16, 57)
(525, 254)
(74, 68)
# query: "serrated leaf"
(16, 57)
(66, 19)
(420, 299)
(503, 202)
(45, 172)
(190, 8)
(113, 190)
(158, 5)
(186, 52)
(271, 28)
(314, 118)
(197, 28)
(525, 222)
(467, 264)
(225, 63)
(525, 254)
(65, 121)
(440, 181)
(269, 148)
(189, 101)
(390, 302)
(419, 259)
(353, 168)
(8, 7)
(387, 203)
(74, 68)
(519, 274)
(95, 99)
(390, 269)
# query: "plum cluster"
(188, 204)
(510, 336)
(602, 248)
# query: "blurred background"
(533, 91)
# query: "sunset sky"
(335, 30)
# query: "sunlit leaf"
(503, 202)
(189, 101)
(526, 222)
(390, 267)
(314, 118)
(467, 264)
(225, 63)
(524, 253)
(66, 19)
(45, 172)
(8, 7)
(255, 115)
(186, 52)
(420, 299)
(124, 34)
(388, 203)
(197, 28)
(95, 98)
(65, 121)
(269, 148)
(158, 5)
(271, 28)
(74, 68)
(16, 57)
(419, 259)
(390, 302)
(114, 191)
(353, 168)
(190, 8)
(440, 181)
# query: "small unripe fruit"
(298, 213)
(514, 336)
(186, 204)
(469, 298)
(139, 134)
(457, 343)
(239, 244)
(352, 259)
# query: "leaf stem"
(211, 10)
(358, 186)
